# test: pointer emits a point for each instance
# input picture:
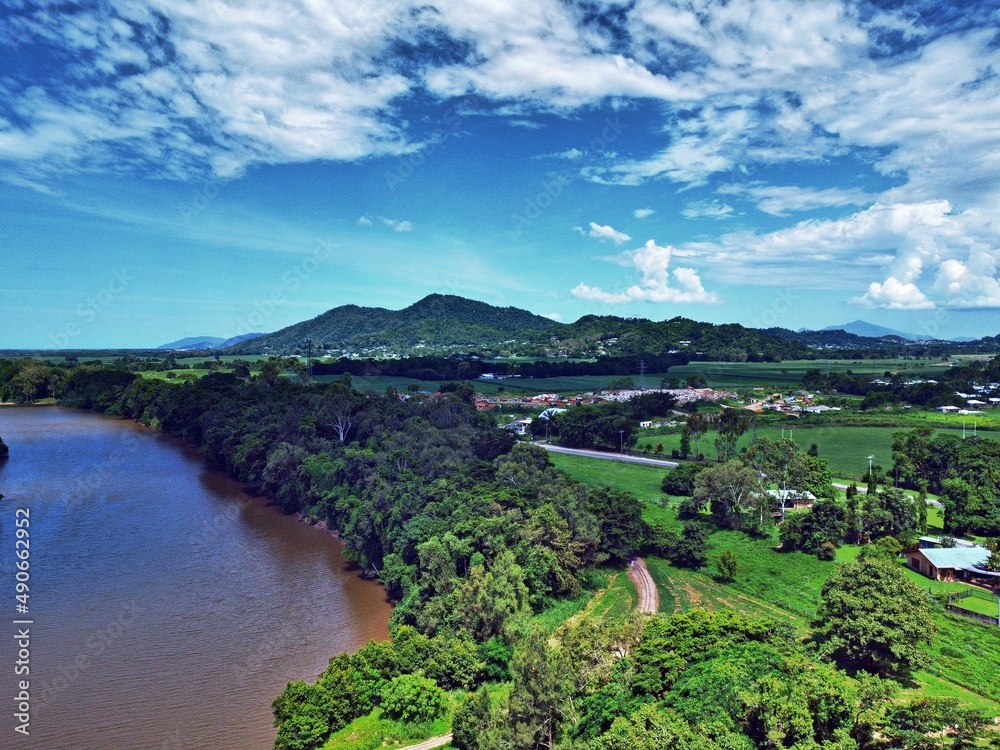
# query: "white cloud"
(707, 210)
(364, 221)
(571, 154)
(643, 213)
(894, 295)
(782, 200)
(927, 253)
(599, 232)
(396, 225)
(656, 282)
(552, 316)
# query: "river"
(168, 607)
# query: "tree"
(4, 450)
(731, 426)
(873, 618)
(691, 550)
(727, 565)
(695, 427)
(727, 489)
(541, 695)
(680, 481)
(412, 698)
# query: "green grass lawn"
(982, 606)
(641, 480)
(373, 731)
(845, 449)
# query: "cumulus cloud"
(893, 294)
(656, 282)
(926, 253)
(397, 225)
(364, 221)
(552, 316)
(599, 232)
(707, 210)
(643, 213)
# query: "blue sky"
(175, 168)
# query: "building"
(949, 563)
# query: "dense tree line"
(894, 388)
(964, 472)
(746, 492)
(611, 426)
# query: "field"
(965, 655)
(747, 374)
(844, 448)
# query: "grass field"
(374, 731)
(844, 448)
(748, 374)
(787, 586)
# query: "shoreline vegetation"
(505, 627)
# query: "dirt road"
(649, 598)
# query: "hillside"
(445, 324)
(437, 322)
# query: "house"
(645, 425)
(793, 498)
(948, 563)
(947, 409)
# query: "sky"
(174, 168)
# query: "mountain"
(208, 342)
(437, 322)
(441, 325)
(238, 339)
(870, 330)
(194, 342)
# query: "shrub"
(413, 699)
(827, 551)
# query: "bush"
(680, 481)
(413, 699)
(827, 551)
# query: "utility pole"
(309, 357)
(621, 444)
(642, 374)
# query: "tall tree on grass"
(695, 427)
(731, 425)
(729, 490)
(873, 618)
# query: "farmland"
(845, 449)
(965, 655)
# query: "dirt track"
(649, 599)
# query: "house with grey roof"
(950, 563)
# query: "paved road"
(649, 597)
(444, 739)
(609, 456)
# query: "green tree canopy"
(873, 618)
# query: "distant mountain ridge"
(208, 342)
(870, 330)
(442, 325)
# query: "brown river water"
(168, 607)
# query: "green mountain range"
(441, 325)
